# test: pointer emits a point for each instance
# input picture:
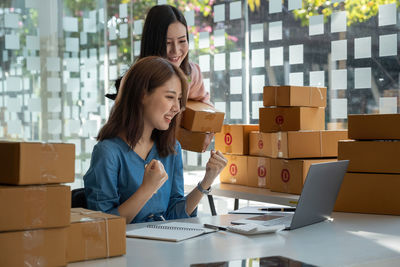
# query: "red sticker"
(228, 139)
(233, 169)
(279, 145)
(261, 171)
(285, 175)
(279, 119)
(260, 144)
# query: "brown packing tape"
(279, 145)
(49, 153)
(40, 200)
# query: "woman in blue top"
(136, 168)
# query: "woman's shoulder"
(194, 66)
(111, 146)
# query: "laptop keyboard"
(286, 220)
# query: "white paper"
(236, 60)
(32, 42)
(112, 33)
(14, 127)
(123, 10)
(339, 79)
(317, 78)
(12, 41)
(72, 64)
(316, 25)
(235, 10)
(339, 108)
(257, 58)
(275, 30)
(388, 45)
(11, 20)
(138, 27)
(235, 83)
(73, 84)
(276, 56)
(112, 72)
(123, 31)
(275, 6)
(257, 84)
(35, 104)
(338, 21)
(54, 105)
(236, 110)
(219, 62)
(257, 33)
(53, 63)
(13, 104)
(296, 54)
(296, 78)
(13, 83)
(70, 24)
(54, 126)
(387, 15)
(294, 4)
(362, 78)
(189, 16)
(362, 47)
(33, 63)
(255, 108)
(219, 38)
(53, 84)
(72, 44)
(388, 105)
(339, 50)
(219, 13)
(204, 63)
(204, 40)
(89, 25)
(113, 52)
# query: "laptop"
(316, 201)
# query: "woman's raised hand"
(215, 165)
(154, 176)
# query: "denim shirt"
(116, 172)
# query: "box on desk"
(201, 117)
(235, 171)
(25, 163)
(299, 96)
(275, 119)
(193, 141)
(288, 176)
(234, 138)
(374, 126)
(41, 247)
(34, 207)
(258, 172)
(300, 144)
(371, 156)
(374, 193)
(93, 235)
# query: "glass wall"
(59, 58)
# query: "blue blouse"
(116, 172)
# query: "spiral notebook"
(173, 231)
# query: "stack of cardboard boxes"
(373, 178)
(199, 123)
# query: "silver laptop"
(316, 201)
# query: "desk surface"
(350, 239)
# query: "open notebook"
(173, 231)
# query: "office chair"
(78, 198)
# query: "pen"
(215, 227)
(277, 209)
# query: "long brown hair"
(126, 115)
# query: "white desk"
(351, 239)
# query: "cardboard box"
(374, 193)
(291, 119)
(288, 176)
(42, 247)
(259, 172)
(34, 207)
(371, 156)
(235, 171)
(294, 96)
(93, 235)
(193, 141)
(36, 163)
(300, 144)
(200, 117)
(374, 126)
(234, 138)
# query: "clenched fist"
(154, 176)
(215, 165)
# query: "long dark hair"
(126, 116)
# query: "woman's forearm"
(194, 197)
(132, 206)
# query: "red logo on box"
(285, 175)
(279, 144)
(228, 139)
(279, 119)
(260, 144)
(233, 169)
(261, 171)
